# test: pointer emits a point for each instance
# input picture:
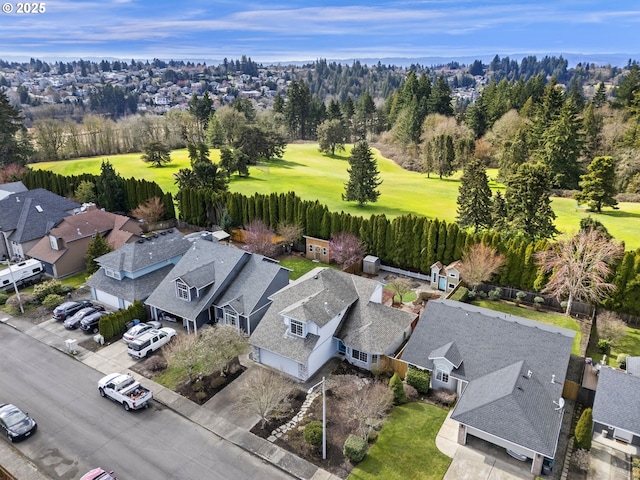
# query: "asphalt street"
(79, 430)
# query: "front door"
(341, 347)
(442, 284)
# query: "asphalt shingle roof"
(129, 289)
(449, 352)
(33, 213)
(616, 403)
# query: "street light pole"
(324, 416)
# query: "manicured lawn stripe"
(313, 175)
(406, 446)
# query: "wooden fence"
(570, 390)
(395, 365)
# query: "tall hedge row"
(116, 323)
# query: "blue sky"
(286, 31)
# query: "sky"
(284, 30)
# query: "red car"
(98, 474)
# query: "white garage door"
(623, 435)
(500, 442)
(285, 365)
(107, 299)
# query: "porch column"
(462, 434)
(536, 465)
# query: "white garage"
(106, 298)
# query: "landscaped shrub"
(118, 320)
(13, 303)
(604, 345)
(52, 300)
(156, 363)
(621, 360)
(355, 448)
(106, 327)
(481, 294)
(397, 387)
(419, 379)
(495, 294)
(3, 298)
(580, 459)
(411, 393)
(538, 302)
(520, 296)
(583, 429)
(43, 289)
(313, 433)
(444, 397)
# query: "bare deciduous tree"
(258, 238)
(346, 249)
(610, 327)
(401, 286)
(291, 233)
(479, 263)
(580, 267)
(222, 343)
(185, 351)
(265, 394)
(150, 211)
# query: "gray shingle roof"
(487, 342)
(199, 277)
(511, 405)
(7, 189)
(129, 289)
(33, 213)
(141, 254)
(449, 352)
(616, 403)
(633, 365)
(368, 326)
(234, 273)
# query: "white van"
(149, 342)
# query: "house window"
(374, 359)
(230, 317)
(451, 285)
(296, 328)
(435, 277)
(112, 273)
(311, 248)
(182, 290)
(452, 275)
(54, 242)
(358, 355)
(442, 375)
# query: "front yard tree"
(474, 199)
(97, 247)
(580, 267)
(368, 403)
(223, 343)
(150, 211)
(264, 394)
(185, 352)
(345, 249)
(364, 177)
(331, 136)
(598, 184)
(479, 263)
(258, 238)
(156, 153)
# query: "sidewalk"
(225, 422)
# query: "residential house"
(7, 189)
(324, 313)
(445, 278)
(217, 283)
(616, 409)
(317, 249)
(27, 216)
(507, 371)
(134, 270)
(63, 251)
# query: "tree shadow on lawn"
(616, 213)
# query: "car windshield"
(13, 417)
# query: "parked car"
(66, 309)
(98, 474)
(73, 322)
(123, 389)
(17, 424)
(89, 324)
(150, 341)
(517, 456)
(137, 330)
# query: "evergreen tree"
(97, 247)
(110, 188)
(600, 97)
(14, 144)
(364, 179)
(474, 198)
(156, 153)
(528, 203)
(598, 184)
(331, 136)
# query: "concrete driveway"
(478, 460)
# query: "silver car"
(137, 330)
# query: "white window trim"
(311, 248)
(230, 317)
(441, 373)
(324, 250)
(109, 272)
(182, 290)
(53, 241)
(359, 355)
(297, 328)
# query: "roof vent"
(529, 373)
(553, 379)
(163, 233)
(79, 232)
(170, 230)
(39, 208)
(155, 235)
(141, 240)
(148, 239)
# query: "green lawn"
(301, 265)
(313, 175)
(544, 317)
(630, 344)
(406, 447)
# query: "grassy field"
(630, 344)
(313, 175)
(544, 317)
(406, 446)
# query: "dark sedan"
(73, 322)
(90, 322)
(17, 424)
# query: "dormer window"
(296, 328)
(54, 242)
(182, 290)
(109, 272)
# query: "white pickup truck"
(122, 388)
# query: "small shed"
(371, 265)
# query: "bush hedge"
(3, 298)
(418, 379)
(313, 433)
(397, 387)
(355, 448)
(116, 323)
(52, 300)
(51, 287)
(583, 429)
